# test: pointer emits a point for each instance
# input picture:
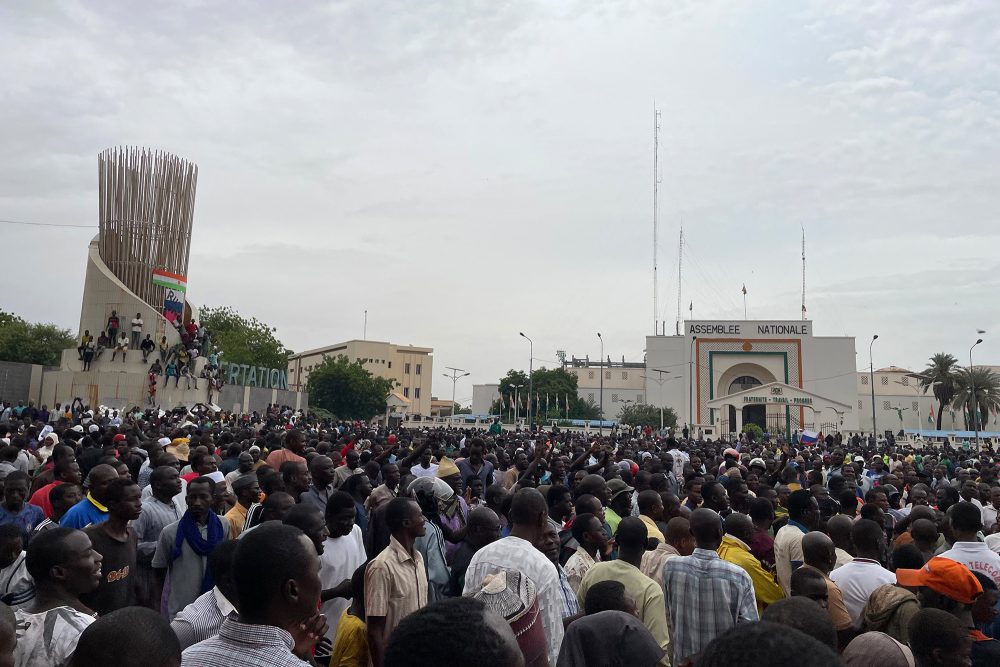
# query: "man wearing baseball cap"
(948, 585)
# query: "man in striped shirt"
(17, 588)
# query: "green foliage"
(345, 388)
(756, 432)
(32, 343)
(940, 376)
(977, 394)
(551, 387)
(242, 340)
(642, 414)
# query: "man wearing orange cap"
(948, 585)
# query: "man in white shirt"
(529, 517)
(966, 522)
(803, 515)
(425, 468)
(343, 553)
(859, 578)
(990, 509)
(136, 330)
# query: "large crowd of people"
(201, 538)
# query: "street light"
(975, 402)
(517, 403)
(871, 380)
(659, 380)
(600, 424)
(454, 377)
(691, 384)
(531, 359)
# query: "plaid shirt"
(570, 606)
(705, 596)
(243, 644)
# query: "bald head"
(818, 550)
(739, 526)
(706, 526)
(482, 517)
(839, 529)
(922, 512)
(98, 480)
(592, 484)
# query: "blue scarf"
(187, 530)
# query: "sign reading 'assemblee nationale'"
(742, 329)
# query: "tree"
(32, 343)
(939, 376)
(244, 341)
(977, 394)
(552, 389)
(642, 414)
(345, 388)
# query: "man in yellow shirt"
(735, 549)
(650, 511)
(350, 644)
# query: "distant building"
(624, 382)
(410, 367)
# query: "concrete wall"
(20, 382)
(237, 398)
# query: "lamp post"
(975, 401)
(531, 360)
(659, 380)
(871, 381)
(691, 384)
(454, 377)
(517, 403)
(600, 424)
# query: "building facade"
(812, 377)
(410, 368)
(623, 382)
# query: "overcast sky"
(468, 170)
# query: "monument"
(137, 268)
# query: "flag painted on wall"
(175, 287)
(930, 416)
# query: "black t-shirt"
(117, 587)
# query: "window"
(638, 398)
(885, 381)
(416, 392)
(406, 368)
(860, 405)
(406, 392)
(590, 375)
(614, 398)
(607, 375)
(914, 406)
(864, 379)
(590, 397)
(886, 405)
(418, 369)
(624, 375)
(390, 364)
(906, 381)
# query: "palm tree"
(977, 394)
(940, 376)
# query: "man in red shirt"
(295, 442)
(67, 471)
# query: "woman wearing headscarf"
(877, 649)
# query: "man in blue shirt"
(15, 510)
(92, 509)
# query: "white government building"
(720, 375)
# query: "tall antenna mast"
(803, 271)
(680, 259)
(656, 205)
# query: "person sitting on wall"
(103, 343)
(84, 342)
(156, 367)
(185, 372)
(121, 346)
(147, 346)
(171, 372)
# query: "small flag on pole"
(744, 289)
(930, 416)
